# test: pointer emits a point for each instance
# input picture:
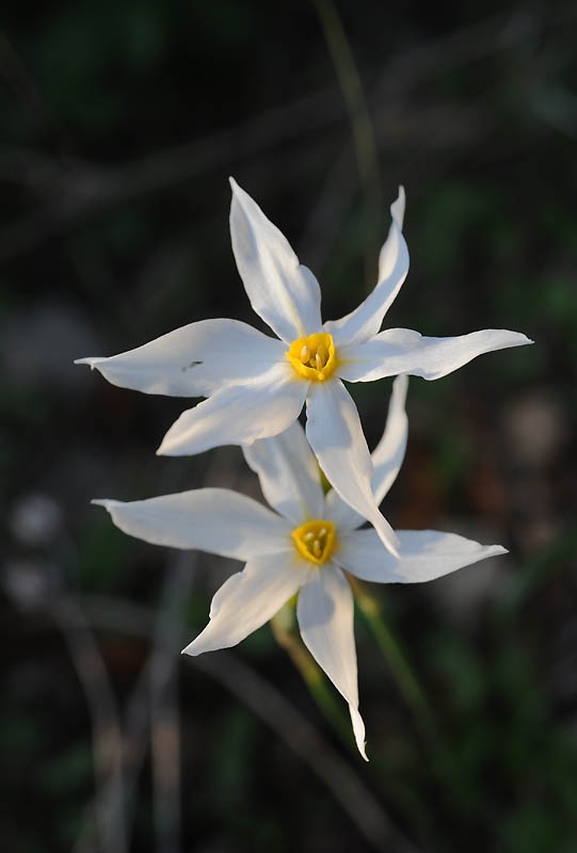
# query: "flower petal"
(424, 555)
(365, 321)
(335, 434)
(283, 292)
(215, 520)
(325, 616)
(238, 414)
(192, 361)
(288, 473)
(247, 600)
(387, 459)
(404, 351)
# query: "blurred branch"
(106, 730)
(80, 190)
(151, 708)
(164, 715)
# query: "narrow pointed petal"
(405, 351)
(215, 520)
(424, 555)
(283, 292)
(389, 453)
(387, 459)
(365, 321)
(238, 414)
(325, 616)
(288, 473)
(192, 361)
(247, 600)
(335, 434)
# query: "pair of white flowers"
(256, 387)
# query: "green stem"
(361, 125)
(443, 760)
(393, 654)
(314, 678)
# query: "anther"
(322, 352)
(317, 550)
(322, 532)
(319, 364)
(308, 536)
(305, 354)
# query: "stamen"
(314, 358)
(315, 541)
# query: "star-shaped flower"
(305, 547)
(256, 385)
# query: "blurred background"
(120, 123)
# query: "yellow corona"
(313, 358)
(315, 540)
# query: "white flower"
(301, 548)
(256, 385)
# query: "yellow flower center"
(313, 358)
(315, 541)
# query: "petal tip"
(91, 361)
(105, 502)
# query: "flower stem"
(313, 678)
(408, 684)
(443, 760)
(363, 133)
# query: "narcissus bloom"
(305, 547)
(256, 385)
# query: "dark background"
(120, 123)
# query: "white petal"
(404, 351)
(193, 361)
(335, 434)
(387, 459)
(215, 520)
(283, 292)
(365, 321)
(390, 248)
(325, 616)
(424, 555)
(238, 414)
(288, 473)
(389, 453)
(247, 600)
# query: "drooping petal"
(238, 414)
(281, 290)
(247, 600)
(424, 555)
(325, 617)
(365, 321)
(215, 520)
(335, 434)
(387, 459)
(288, 473)
(193, 361)
(405, 351)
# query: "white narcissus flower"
(256, 385)
(306, 546)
